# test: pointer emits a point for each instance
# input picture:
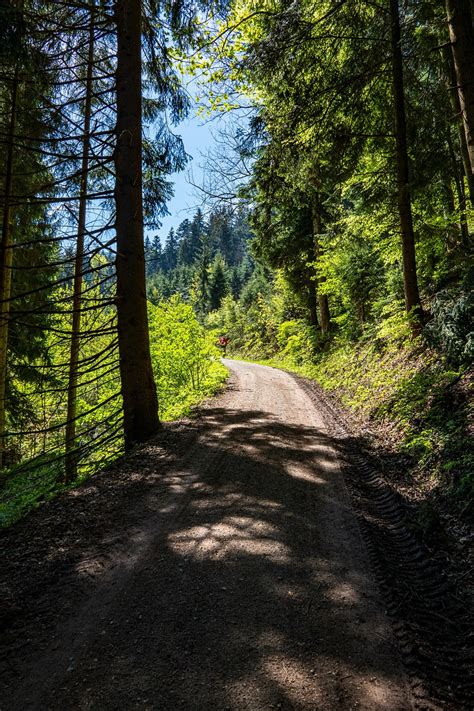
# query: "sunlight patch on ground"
(294, 677)
(232, 536)
(304, 474)
(345, 593)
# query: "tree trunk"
(324, 315)
(71, 454)
(456, 107)
(6, 262)
(312, 303)
(461, 194)
(461, 35)
(140, 402)
(412, 296)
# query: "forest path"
(238, 580)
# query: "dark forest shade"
(138, 388)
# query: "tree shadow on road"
(242, 581)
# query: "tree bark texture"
(412, 296)
(138, 387)
(461, 35)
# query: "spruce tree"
(218, 282)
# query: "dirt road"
(231, 574)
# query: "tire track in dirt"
(433, 626)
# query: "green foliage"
(451, 328)
(296, 342)
(323, 184)
(202, 261)
(218, 282)
(184, 356)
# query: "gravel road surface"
(233, 576)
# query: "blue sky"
(196, 133)
(204, 138)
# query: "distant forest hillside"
(203, 260)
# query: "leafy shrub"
(296, 341)
(184, 356)
(451, 328)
